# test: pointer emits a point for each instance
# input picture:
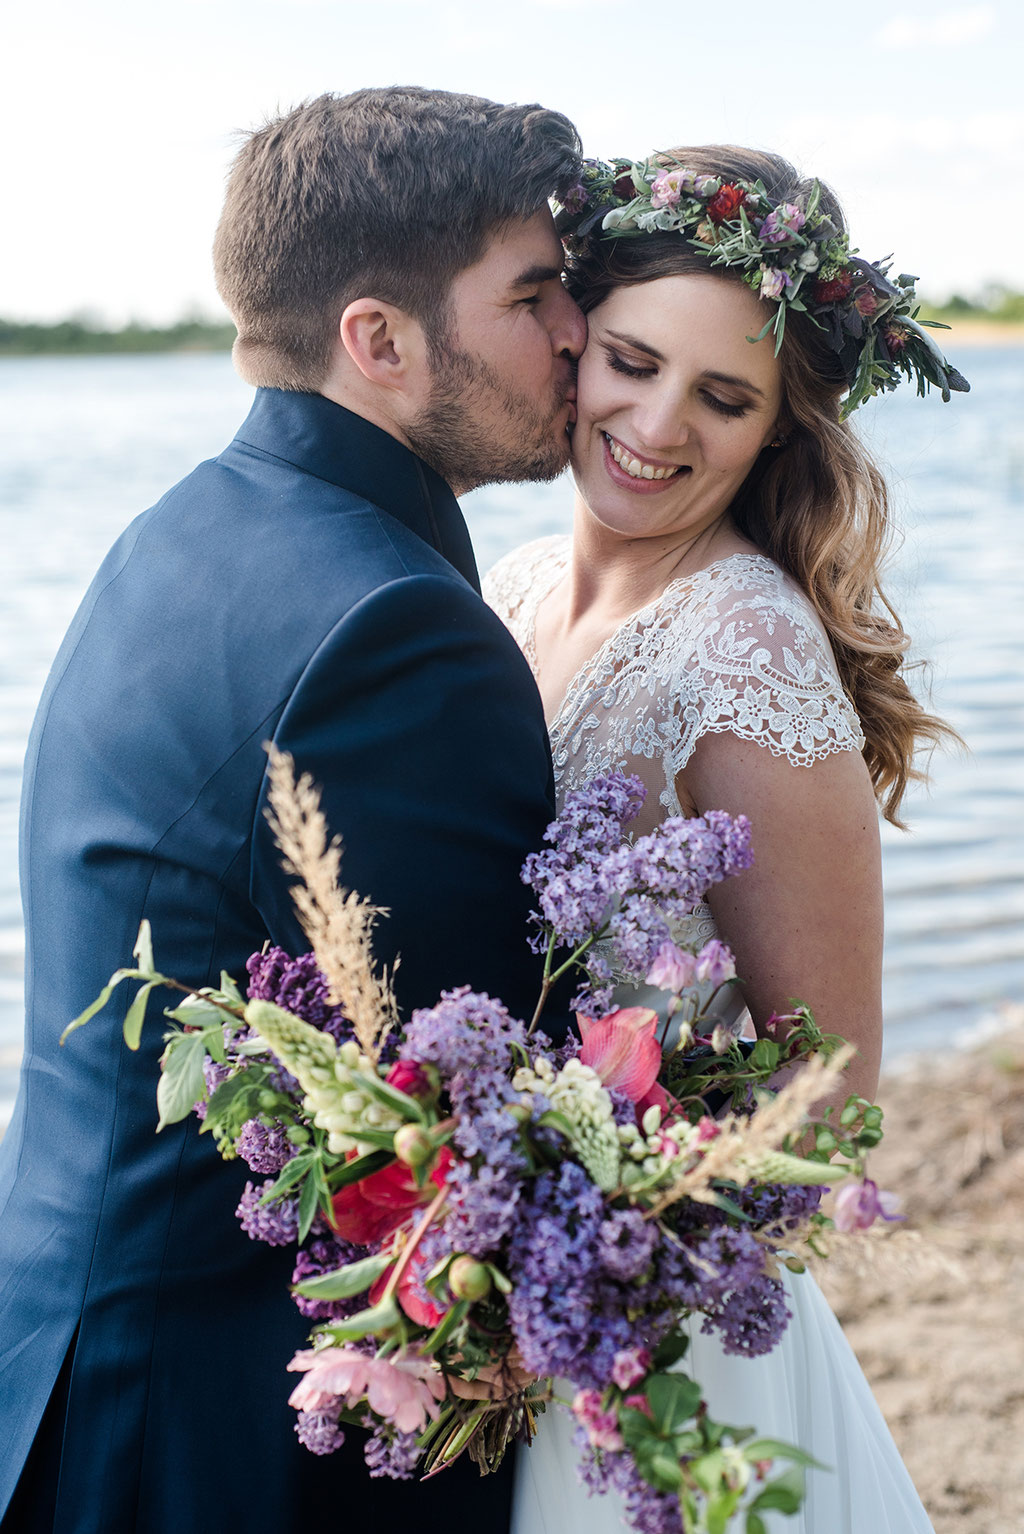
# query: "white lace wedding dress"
(733, 648)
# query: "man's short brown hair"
(386, 193)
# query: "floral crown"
(793, 256)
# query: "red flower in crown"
(624, 187)
(726, 203)
(834, 288)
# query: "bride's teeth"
(633, 466)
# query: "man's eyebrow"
(644, 346)
(534, 275)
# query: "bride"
(715, 625)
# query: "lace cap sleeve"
(511, 586)
(761, 668)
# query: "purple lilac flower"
(751, 1321)
(466, 1032)
(325, 1254)
(647, 1510)
(570, 1311)
(266, 1148)
(299, 986)
(571, 879)
(673, 968)
(319, 1432)
(627, 1242)
(391, 1454)
(276, 1223)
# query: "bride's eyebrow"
(637, 345)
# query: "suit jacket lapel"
(322, 438)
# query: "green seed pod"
(469, 1279)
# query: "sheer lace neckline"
(558, 550)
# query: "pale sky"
(118, 117)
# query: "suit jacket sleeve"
(419, 719)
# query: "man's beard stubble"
(468, 445)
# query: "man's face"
(503, 373)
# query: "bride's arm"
(805, 921)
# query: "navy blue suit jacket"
(313, 585)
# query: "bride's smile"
(674, 404)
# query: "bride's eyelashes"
(618, 364)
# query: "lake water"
(89, 442)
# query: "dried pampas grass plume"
(337, 922)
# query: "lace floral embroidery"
(736, 647)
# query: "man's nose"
(569, 334)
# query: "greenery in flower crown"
(794, 256)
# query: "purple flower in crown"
(576, 198)
(782, 223)
(773, 282)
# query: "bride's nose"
(663, 424)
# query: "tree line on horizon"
(82, 336)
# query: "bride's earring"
(778, 442)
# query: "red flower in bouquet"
(725, 204)
(409, 1293)
(368, 1211)
(622, 1049)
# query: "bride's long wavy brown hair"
(819, 506)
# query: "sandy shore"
(936, 1313)
(979, 333)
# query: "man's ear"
(385, 343)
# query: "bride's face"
(674, 404)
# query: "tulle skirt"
(809, 1391)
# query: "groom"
(394, 274)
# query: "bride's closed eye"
(620, 365)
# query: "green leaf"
(756, 1525)
(230, 989)
(784, 1494)
(195, 1012)
(358, 1168)
(368, 1322)
(308, 1204)
(765, 1055)
(102, 999)
(720, 1509)
(777, 1448)
(670, 1350)
(343, 1283)
(181, 1083)
(449, 1323)
(673, 1399)
(143, 950)
(667, 1473)
(136, 1015)
(292, 1172)
(235, 1100)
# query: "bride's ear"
(385, 343)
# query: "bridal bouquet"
(486, 1222)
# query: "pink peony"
(859, 1204)
(630, 1366)
(373, 1208)
(403, 1389)
(602, 1426)
(669, 186)
(622, 1049)
(673, 968)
